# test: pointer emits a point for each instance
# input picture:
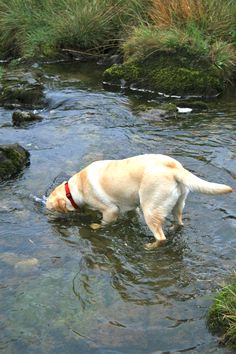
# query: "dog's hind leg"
(177, 211)
(154, 220)
(157, 199)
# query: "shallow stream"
(65, 288)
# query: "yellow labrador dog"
(157, 183)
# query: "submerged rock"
(13, 158)
(21, 88)
(22, 117)
(27, 264)
(20, 262)
(168, 75)
(9, 258)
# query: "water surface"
(65, 288)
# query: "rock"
(21, 88)
(20, 262)
(22, 117)
(166, 74)
(197, 106)
(110, 60)
(27, 264)
(13, 158)
(9, 258)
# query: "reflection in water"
(139, 276)
(100, 291)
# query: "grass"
(222, 315)
(30, 28)
(202, 30)
(211, 16)
(147, 40)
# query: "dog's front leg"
(160, 239)
(108, 215)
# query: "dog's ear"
(61, 206)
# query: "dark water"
(65, 288)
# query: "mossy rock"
(168, 75)
(21, 118)
(21, 88)
(13, 158)
(128, 72)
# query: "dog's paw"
(176, 227)
(152, 245)
(95, 226)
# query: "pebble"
(184, 109)
(95, 226)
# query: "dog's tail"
(196, 184)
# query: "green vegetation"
(30, 28)
(168, 74)
(197, 36)
(204, 31)
(222, 315)
(148, 41)
(192, 44)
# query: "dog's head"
(58, 200)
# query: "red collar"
(69, 196)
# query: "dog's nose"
(48, 204)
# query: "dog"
(157, 183)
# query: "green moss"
(168, 75)
(168, 107)
(178, 80)
(129, 72)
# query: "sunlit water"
(66, 288)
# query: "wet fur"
(156, 183)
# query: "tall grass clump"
(13, 22)
(222, 314)
(211, 16)
(36, 27)
(93, 25)
(202, 30)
